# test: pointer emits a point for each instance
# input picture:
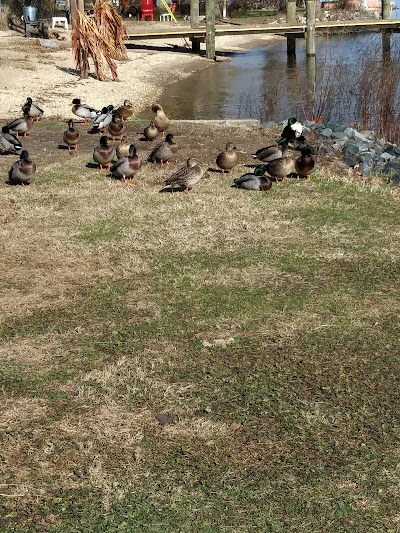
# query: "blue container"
(30, 13)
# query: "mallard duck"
(104, 154)
(254, 182)
(280, 168)
(22, 170)
(305, 164)
(9, 142)
(83, 110)
(126, 167)
(227, 159)
(122, 149)
(274, 151)
(293, 130)
(103, 119)
(185, 178)
(126, 110)
(32, 109)
(164, 151)
(151, 132)
(71, 137)
(21, 125)
(116, 126)
(161, 121)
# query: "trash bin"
(30, 13)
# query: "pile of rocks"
(360, 150)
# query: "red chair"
(147, 9)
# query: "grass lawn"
(265, 324)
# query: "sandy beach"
(49, 76)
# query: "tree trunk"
(210, 29)
(194, 14)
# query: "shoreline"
(49, 77)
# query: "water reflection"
(264, 83)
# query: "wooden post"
(386, 9)
(291, 11)
(291, 45)
(310, 37)
(312, 85)
(194, 14)
(210, 29)
(386, 47)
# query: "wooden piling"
(291, 11)
(310, 27)
(386, 46)
(291, 45)
(386, 11)
(210, 29)
(194, 14)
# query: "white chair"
(165, 17)
(59, 20)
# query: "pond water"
(263, 84)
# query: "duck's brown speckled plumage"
(280, 168)
(116, 127)
(151, 132)
(305, 164)
(164, 151)
(227, 159)
(103, 154)
(161, 121)
(71, 136)
(22, 171)
(186, 177)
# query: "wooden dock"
(296, 30)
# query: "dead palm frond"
(111, 28)
(101, 38)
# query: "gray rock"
(359, 136)
(338, 145)
(366, 170)
(395, 180)
(351, 149)
(340, 135)
(386, 157)
(367, 158)
(350, 161)
(349, 132)
(326, 133)
(392, 150)
(270, 124)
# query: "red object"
(172, 7)
(147, 9)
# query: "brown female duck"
(227, 159)
(150, 132)
(280, 168)
(116, 127)
(71, 137)
(22, 171)
(126, 110)
(104, 154)
(164, 151)
(161, 121)
(122, 149)
(305, 164)
(185, 178)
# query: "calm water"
(262, 84)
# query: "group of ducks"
(123, 162)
